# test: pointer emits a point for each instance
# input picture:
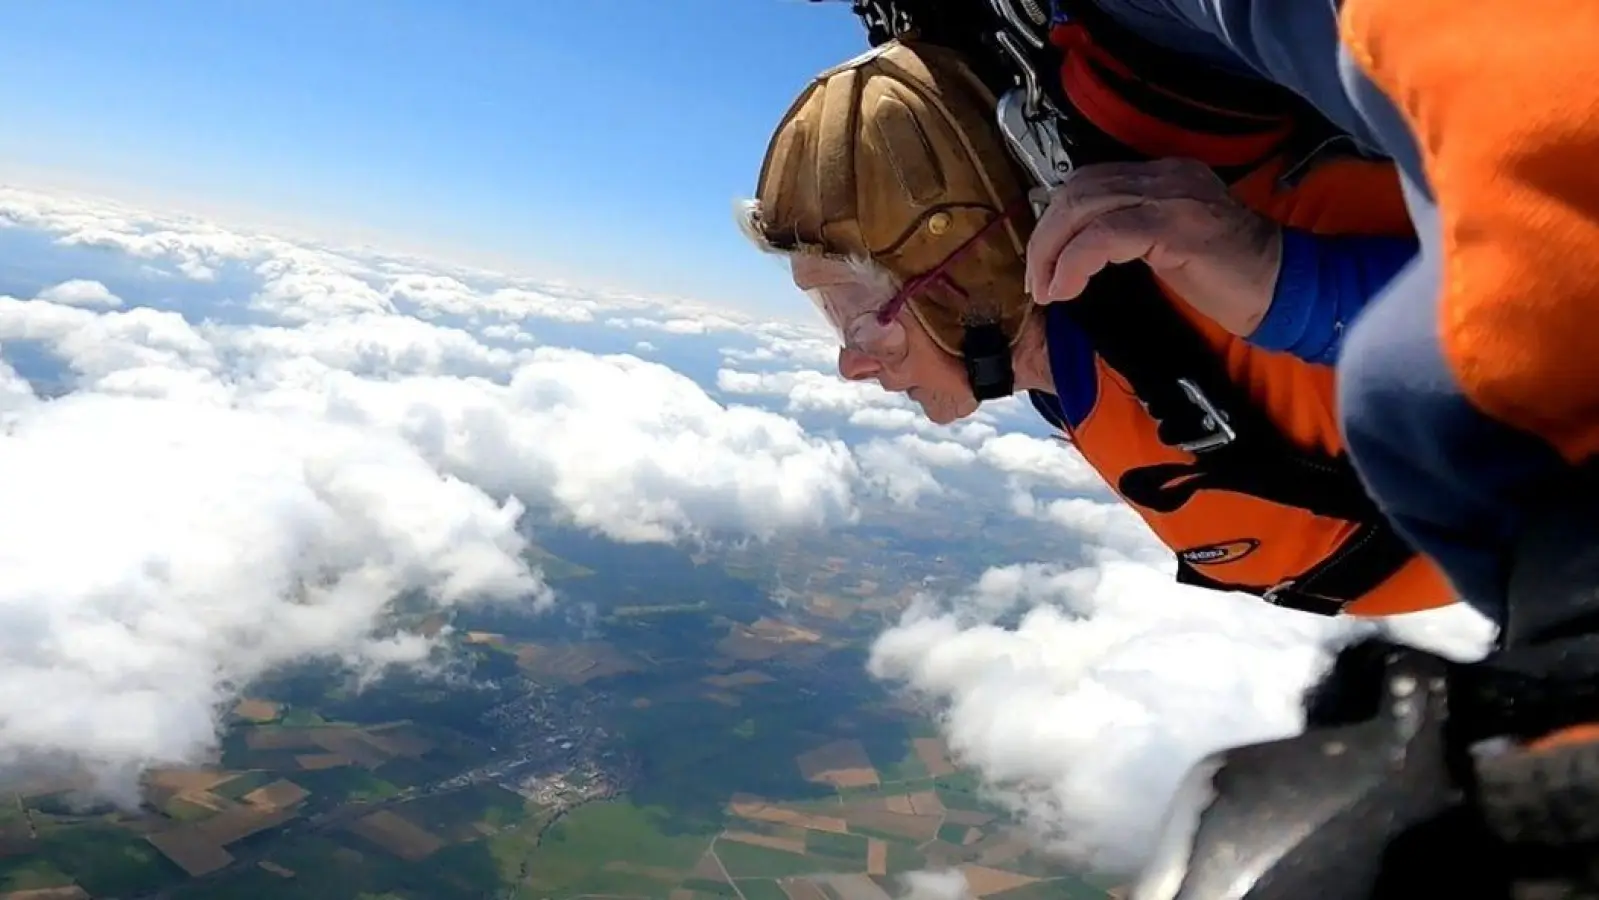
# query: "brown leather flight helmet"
(895, 156)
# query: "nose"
(854, 365)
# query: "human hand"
(1176, 216)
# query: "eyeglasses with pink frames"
(877, 332)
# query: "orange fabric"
(1258, 544)
(1337, 197)
(1504, 100)
(1565, 737)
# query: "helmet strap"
(986, 353)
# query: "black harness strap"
(1236, 448)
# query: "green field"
(951, 833)
(960, 791)
(30, 873)
(327, 867)
(471, 812)
(236, 787)
(704, 888)
(904, 857)
(403, 771)
(663, 609)
(908, 767)
(187, 810)
(573, 856)
(761, 889)
(106, 860)
(695, 777)
(300, 717)
(866, 791)
(842, 850)
(1060, 888)
(346, 784)
(555, 568)
(750, 861)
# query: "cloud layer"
(223, 451)
(201, 485)
(1084, 694)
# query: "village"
(550, 749)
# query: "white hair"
(748, 214)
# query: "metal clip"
(1026, 115)
(1017, 22)
(1214, 421)
(1034, 140)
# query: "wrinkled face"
(882, 340)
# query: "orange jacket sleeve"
(1502, 98)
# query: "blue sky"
(598, 140)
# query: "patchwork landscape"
(687, 743)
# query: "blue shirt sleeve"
(1323, 284)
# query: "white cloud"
(214, 498)
(616, 443)
(815, 349)
(703, 323)
(1043, 461)
(513, 333)
(902, 467)
(940, 884)
(16, 396)
(435, 294)
(863, 404)
(196, 248)
(889, 417)
(304, 281)
(1083, 694)
(1086, 712)
(159, 552)
(807, 390)
(120, 343)
(80, 292)
(899, 467)
(376, 345)
(1096, 529)
(302, 285)
(1455, 632)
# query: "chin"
(945, 413)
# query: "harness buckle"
(1214, 421)
(1274, 593)
(1300, 601)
